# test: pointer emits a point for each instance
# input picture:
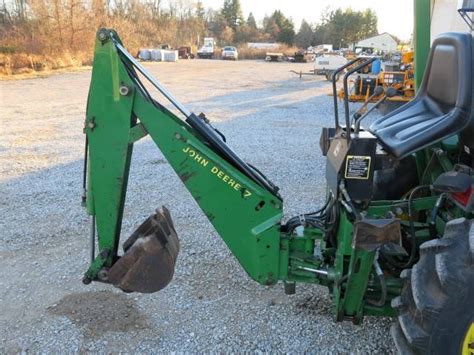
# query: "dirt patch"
(99, 312)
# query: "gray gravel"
(270, 117)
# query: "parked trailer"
(325, 64)
(274, 57)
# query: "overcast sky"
(395, 17)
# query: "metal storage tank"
(144, 54)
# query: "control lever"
(379, 90)
(390, 92)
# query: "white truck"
(207, 50)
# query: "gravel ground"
(270, 117)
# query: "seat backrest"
(448, 75)
(442, 83)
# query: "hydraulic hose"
(434, 214)
(383, 285)
(323, 219)
(84, 172)
(412, 257)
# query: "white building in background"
(262, 45)
(382, 42)
(445, 18)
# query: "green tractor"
(394, 237)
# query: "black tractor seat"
(443, 104)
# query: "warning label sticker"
(358, 167)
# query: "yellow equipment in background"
(362, 86)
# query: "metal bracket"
(137, 132)
(96, 265)
(370, 234)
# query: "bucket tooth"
(149, 258)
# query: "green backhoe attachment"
(238, 200)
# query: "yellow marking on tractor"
(468, 344)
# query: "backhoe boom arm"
(241, 204)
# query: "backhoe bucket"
(150, 255)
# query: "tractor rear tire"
(436, 306)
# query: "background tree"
(200, 11)
(270, 28)
(368, 23)
(286, 27)
(305, 36)
(232, 12)
(342, 28)
(248, 31)
(251, 21)
(216, 23)
(279, 28)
